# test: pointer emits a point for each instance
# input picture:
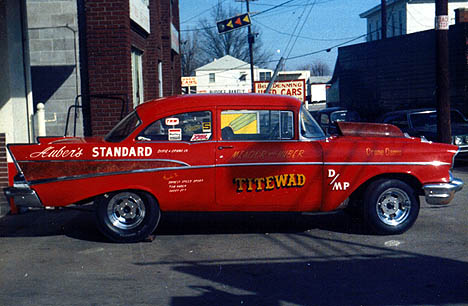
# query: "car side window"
(192, 126)
(324, 119)
(257, 125)
(400, 121)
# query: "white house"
(406, 17)
(228, 75)
(317, 88)
(231, 75)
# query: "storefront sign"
(174, 39)
(295, 88)
(189, 81)
(139, 13)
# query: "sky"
(321, 25)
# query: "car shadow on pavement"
(81, 224)
(387, 278)
(258, 222)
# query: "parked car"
(233, 153)
(423, 123)
(328, 117)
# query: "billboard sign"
(293, 88)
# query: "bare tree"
(190, 53)
(234, 43)
(317, 68)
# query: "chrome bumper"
(442, 193)
(23, 196)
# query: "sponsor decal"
(336, 185)
(383, 152)
(165, 151)
(257, 154)
(206, 127)
(54, 152)
(172, 121)
(183, 184)
(174, 134)
(200, 137)
(122, 151)
(269, 183)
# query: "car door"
(183, 153)
(261, 165)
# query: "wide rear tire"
(127, 216)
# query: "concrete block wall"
(54, 73)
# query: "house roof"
(391, 2)
(226, 62)
(320, 79)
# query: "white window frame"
(160, 79)
(137, 77)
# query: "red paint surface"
(222, 175)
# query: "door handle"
(225, 147)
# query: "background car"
(423, 123)
(328, 117)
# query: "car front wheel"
(391, 206)
(127, 216)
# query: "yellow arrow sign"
(229, 24)
(246, 19)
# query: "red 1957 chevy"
(233, 153)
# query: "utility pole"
(442, 72)
(383, 11)
(273, 78)
(251, 39)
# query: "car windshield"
(344, 115)
(124, 128)
(309, 127)
(429, 119)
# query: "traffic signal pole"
(250, 38)
(442, 72)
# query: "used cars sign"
(295, 88)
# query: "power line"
(302, 27)
(297, 56)
(203, 12)
(254, 14)
(295, 5)
(328, 49)
(303, 37)
(275, 7)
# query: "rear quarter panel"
(349, 162)
(66, 173)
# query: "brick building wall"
(4, 207)
(399, 73)
(110, 37)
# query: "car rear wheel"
(390, 206)
(127, 216)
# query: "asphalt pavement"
(60, 258)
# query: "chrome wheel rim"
(393, 206)
(126, 210)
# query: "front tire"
(391, 206)
(127, 216)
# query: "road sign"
(233, 23)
